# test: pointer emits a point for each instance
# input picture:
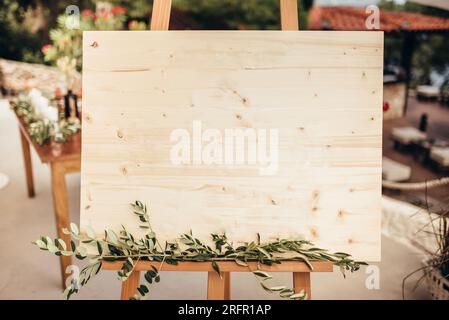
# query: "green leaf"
(90, 232)
(171, 261)
(112, 237)
(299, 295)
(99, 248)
(216, 267)
(286, 293)
(148, 277)
(151, 235)
(264, 252)
(186, 241)
(67, 292)
(47, 240)
(265, 287)
(278, 288)
(41, 244)
(74, 228)
(96, 268)
(72, 245)
(262, 274)
(61, 243)
(81, 251)
(150, 245)
(143, 290)
(305, 260)
(52, 248)
(241, 263)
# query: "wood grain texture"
(160, 17)
(61, 206)
(218, 286)
(301, 281)
(321, 90)
(129, 286)
(289, 14)
(28, 165)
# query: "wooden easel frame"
(218, 286)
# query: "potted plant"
(435, 269)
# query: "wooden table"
(63, 158)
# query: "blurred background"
(40, 115)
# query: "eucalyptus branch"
(129, 250)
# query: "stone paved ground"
(438, 127)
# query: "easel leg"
(129, 287)
(218, 288)
(59, 191)
(227, 279)
(301, 281)
(27, 164)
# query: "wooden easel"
(218, 287)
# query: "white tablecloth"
(440, 155)
(407, 135)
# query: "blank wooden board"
(321, 91)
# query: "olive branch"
(129, 250)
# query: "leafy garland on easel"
(129, 250)
(41, 130)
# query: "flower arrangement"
(65, 51)
(130, 249)
(42, 118)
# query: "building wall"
(394, 94)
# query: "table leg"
(27, 163)
(301, 281)
(61, 207)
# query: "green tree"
(16, 42)
(19, 41)
(431, 49)
(237, 14)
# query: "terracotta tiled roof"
(351, 18)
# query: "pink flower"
(46, 48)
(87, 13)
(118, 10)
(103, 14)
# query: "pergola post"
(408, 48)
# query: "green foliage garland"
(41, 130)
(66, 43)
(129, 250)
